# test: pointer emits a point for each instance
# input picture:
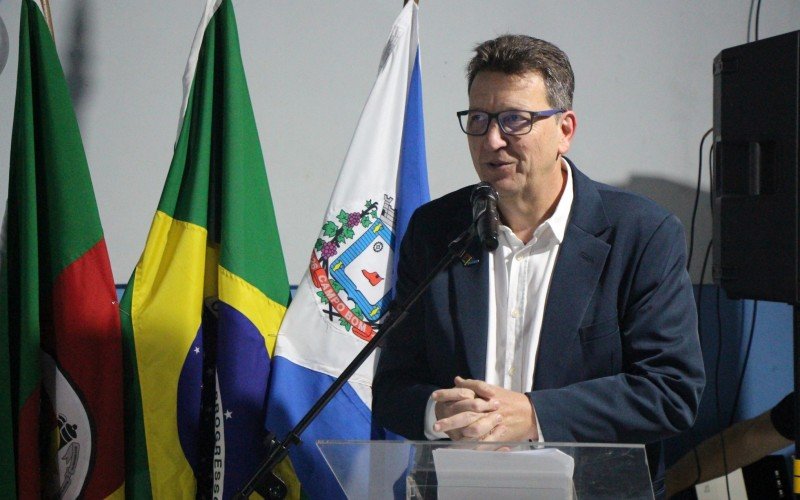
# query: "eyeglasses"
(512, 122)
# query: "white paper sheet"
(476, 474)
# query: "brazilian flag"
(202, 309)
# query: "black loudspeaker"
(755, 184)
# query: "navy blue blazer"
(619, 358)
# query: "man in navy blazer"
(587, 294)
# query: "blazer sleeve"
(401, 386)
(657, 393)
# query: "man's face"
(518, 166)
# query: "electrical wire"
(758, 13)
(711, 175)
(700, 335)
(696, 199)
(699, 298)
(716, 393)
(750, 26)
(744, 364)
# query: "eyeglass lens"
(511, 122)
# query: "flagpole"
(48, 17)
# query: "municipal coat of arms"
(351, 267)
(72, 434)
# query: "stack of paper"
(475, 474)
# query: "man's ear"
(567, 124)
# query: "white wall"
(643, 91)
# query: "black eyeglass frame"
(496, 116)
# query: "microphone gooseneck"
(484, 213)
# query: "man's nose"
(494, 135)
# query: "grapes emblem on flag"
(351, 266)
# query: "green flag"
(60, 345)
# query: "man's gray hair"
(520, 54)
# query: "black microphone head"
(483, 190)
(484, 214)
(491, 242)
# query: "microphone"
(484, 213)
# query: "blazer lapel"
(580, 263)
(470, 290)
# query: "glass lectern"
(458, 470)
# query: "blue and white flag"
(350, 278)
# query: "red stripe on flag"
(88, 346)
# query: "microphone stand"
(264, 481)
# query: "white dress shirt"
(519, 281)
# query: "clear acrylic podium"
(444, 470)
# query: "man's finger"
(495, 434)
(456, 421)
(476, 405)
(445, 409)
(480, 388)
(472, 425)
(482, 427)
(453, 394)
(462, 421)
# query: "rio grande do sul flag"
(60, 348)
(347, 288)
(202, 309)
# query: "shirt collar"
(558, 221)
